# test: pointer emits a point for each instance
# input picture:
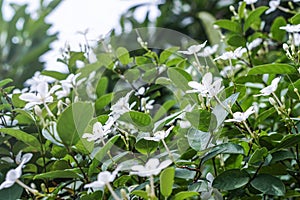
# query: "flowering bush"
(150, 122)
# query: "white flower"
(210, 190)
(228, 70)
(250, 1)
(255, 43)
(99, 131)
(63, 93)
(71, 81)
(152, 167)
(14, 174)
(121, 106)
(42, 95)
(270, 89)
(296, 39)
(103, 179)
(35, 81)
(229, 55)
(207, 87)
(241, 116)
(274, 4)
(145, 106)
(291, 28)
(208, 51)
(160, 135)
(193, 49)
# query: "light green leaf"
(54, 74)
(180, 78)
(146, 146)
(73, 121)
(103, 101)
(231, 179)
(123, 55)
(202, 120)
(276, 32)
(236, 40)
(275, 68)
(268, 184)
(141, 120)
(102, 86)
(22, 136)
(167, 53)
(229, 25)
(208, 20)
(103, 150)
(295, 19)
(140, 193)
(185, 195)
(5, 81)
(197, 139)
(164, 109)
(166, 181)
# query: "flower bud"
(285, 47)
(124, 194)
(232, 9)
(38, 111)
(272, 101)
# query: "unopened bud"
(38, 111)
(272, 101)
(285, 47)
(282, 99)
(148, 189)
(216, 26)
(296, 90)
(139, 39)
(68, 101)
(124, 194)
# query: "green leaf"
(22, 136)
(202, 120)
(295, 19)
(291, 88)
(258, 156)
(105, 60)
(141, 60)
(5, 82)
(11, 193)
(140, 193)
(164, 109)
(229, 25)
(146, 146)
(236, 40)
(180, 78)
(241, 10)
(103, 151)
(132, 75)
(167, 53)
(268, 184)
(275, 68)
(254, 16)
(57, 174)
(55, 74)
(264, 115)
(92, 196)
(276, 32)
(231, 179)
(73, 121)
(197, 139)
(185, 195)
(123, 55)
(166, 181)
(102, 86)
(141, 120)
(288, 141)
(103, 101)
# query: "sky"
(73, 16)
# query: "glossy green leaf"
(258, 156)
(166, 181)
(5, 82)
(54, 74)
(236, 40)
(146, 146)
(268, 184)
(102, 86)
(139, 119)
(275, 68)
(73, 121)
(185, 195)
(103, 101)
(22, 136)
(11, 193)
(231, 179)
(180, 78)
(254, 16)
(295, 19)
(288, 141)
(140, 193)
(276, 32)
(229, 25)
(202, 120)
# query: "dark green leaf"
(295, 19)
(11, 193)
(258, 156)
(231, 179)
(202, 120)
(146, 146)
(268, 184)
(288, 141)
(236, 40)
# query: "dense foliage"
(145, 120)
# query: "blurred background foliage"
(24, 38)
